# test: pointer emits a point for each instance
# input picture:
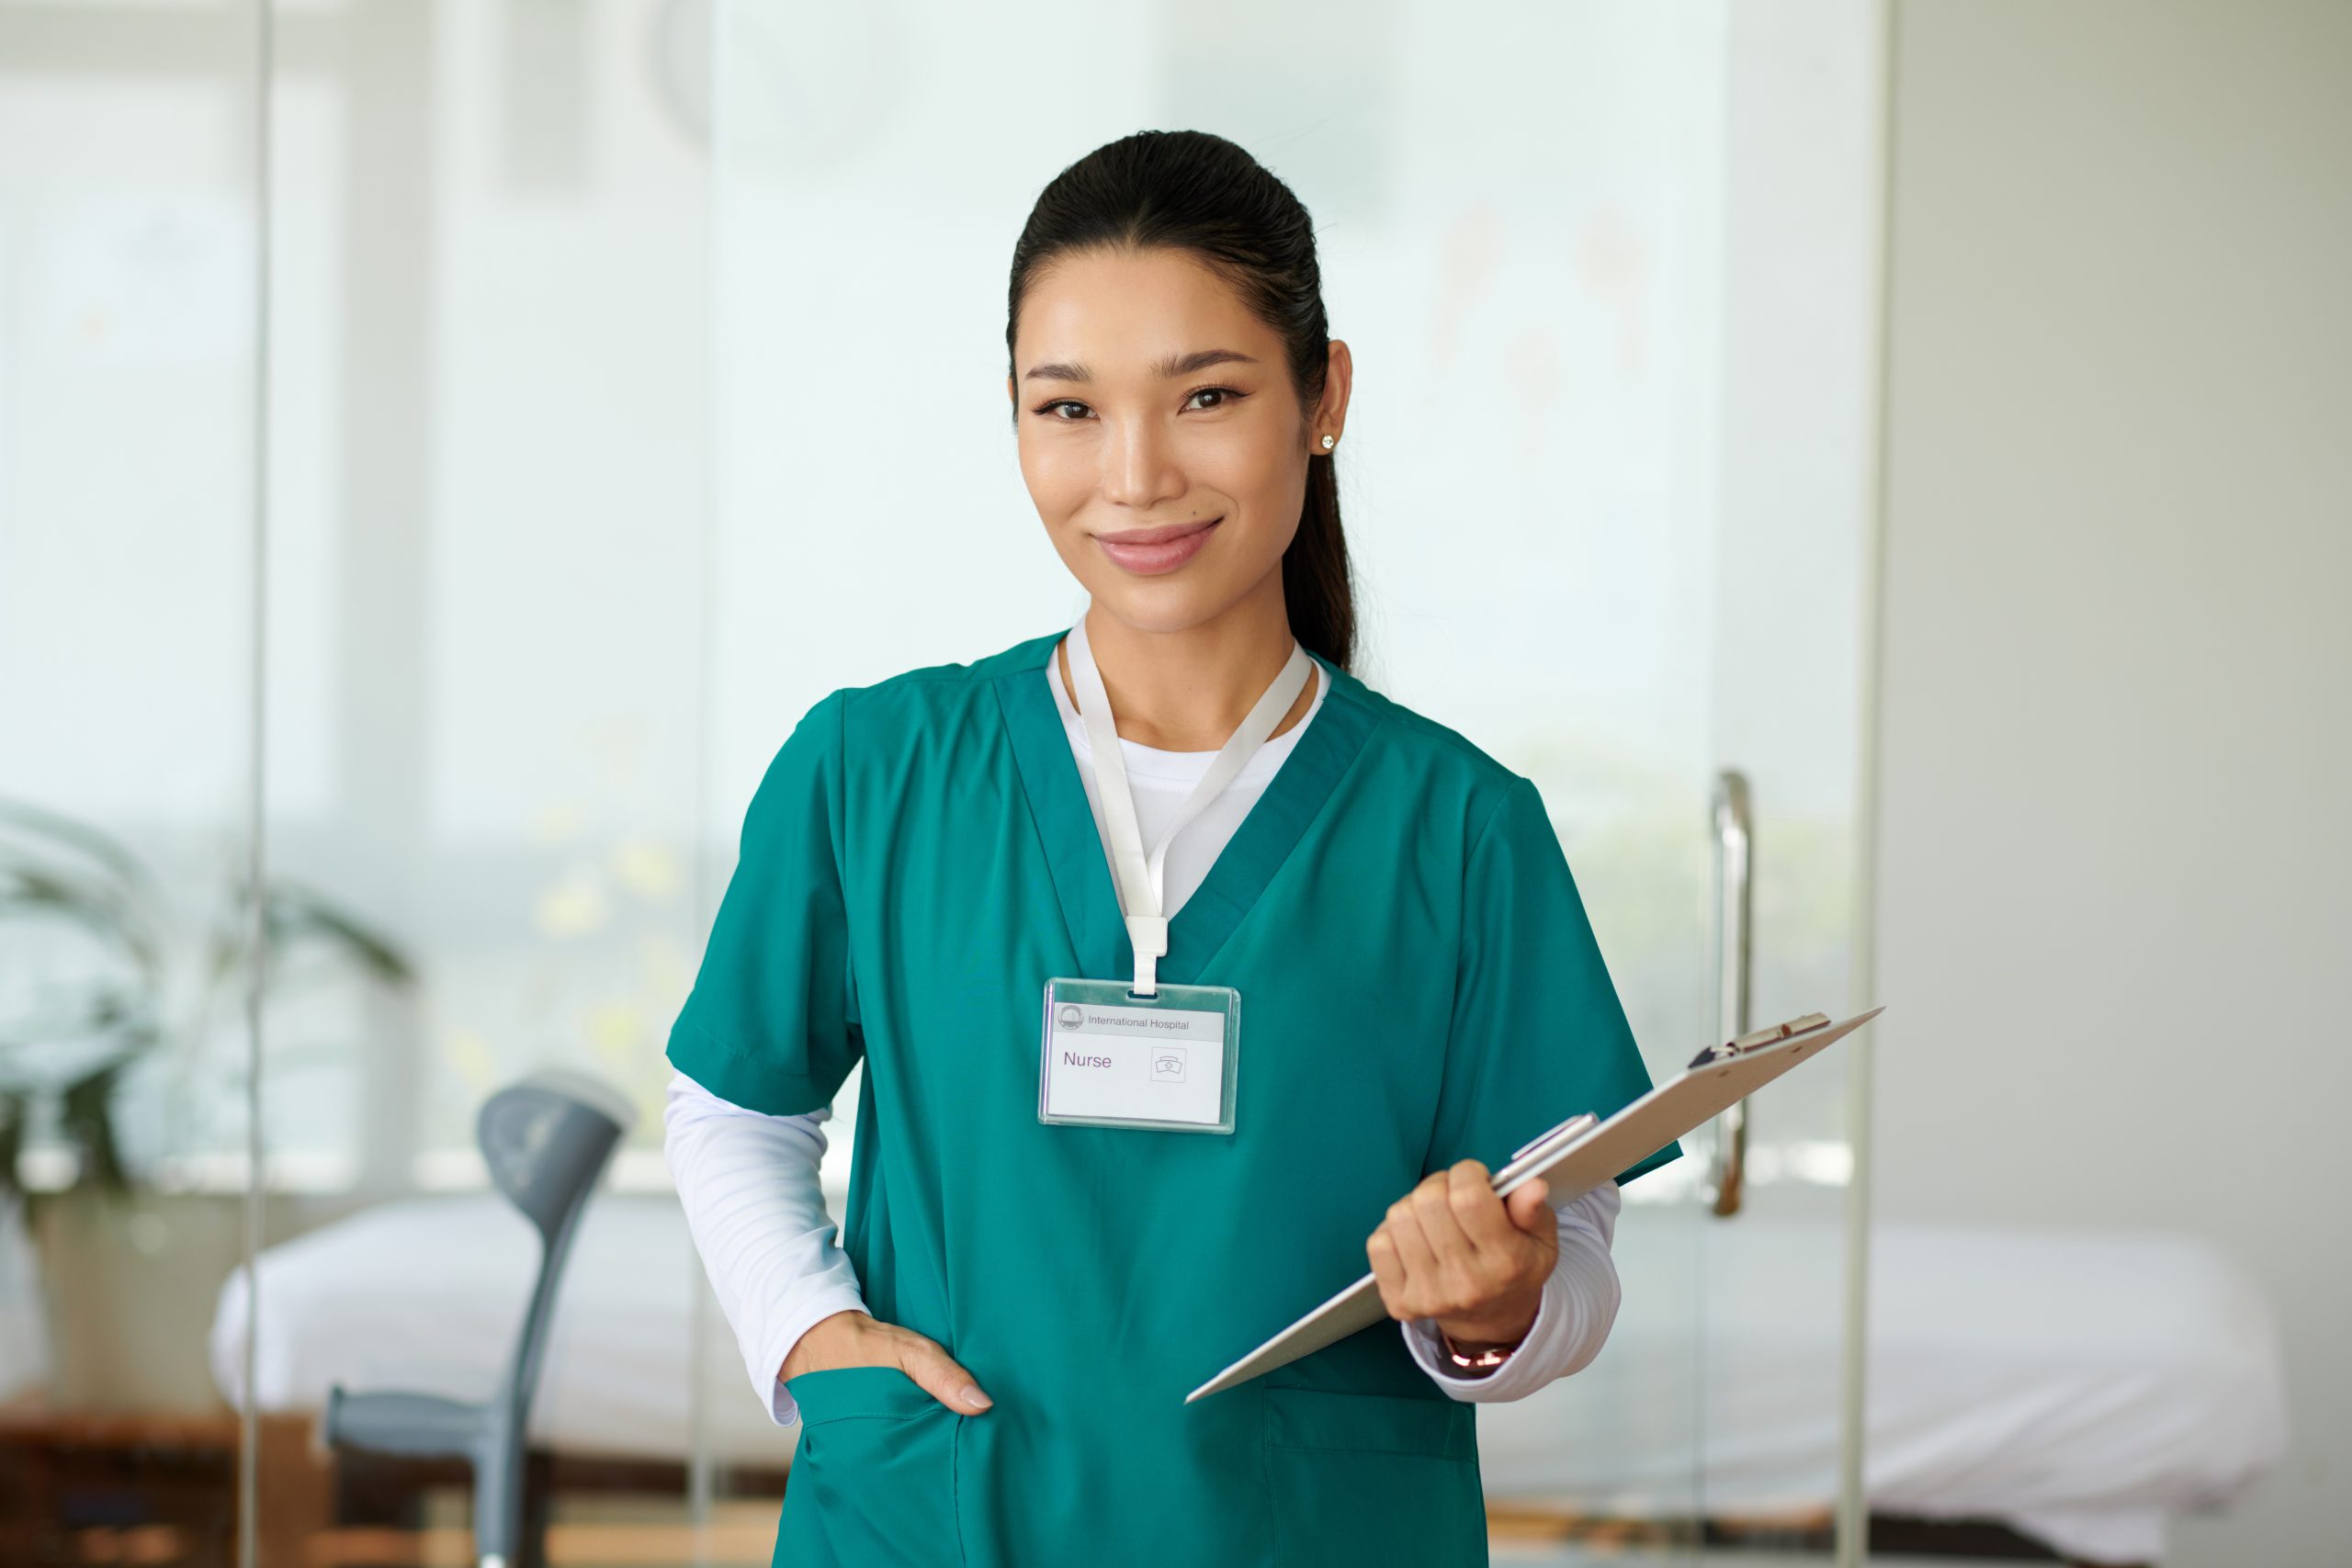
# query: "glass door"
(1687, 687)
(1786, 1176)
(579, 474)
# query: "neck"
(1189, 690)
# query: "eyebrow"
(1167, 369)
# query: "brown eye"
(1222, 395)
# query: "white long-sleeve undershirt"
(754, 1201)
(756, 1208)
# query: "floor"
(1554, 1557)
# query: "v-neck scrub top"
(1160, 782)
(1419, 984)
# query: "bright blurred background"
(444, 444)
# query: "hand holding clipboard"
(1576, 1156)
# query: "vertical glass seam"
(1852, 1538)
(256, 901)
(701, 1462)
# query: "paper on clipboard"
(1576, 1156)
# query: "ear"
(1012, 392)
(1339, 381)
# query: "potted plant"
(101, 974)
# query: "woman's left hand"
(1450, 1250)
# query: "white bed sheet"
(2081, 1386)
(424, 1295)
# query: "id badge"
(1163, 1062)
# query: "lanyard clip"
(1148, 935)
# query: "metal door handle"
(1734, 867)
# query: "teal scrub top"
(1419, 984)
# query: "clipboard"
(1576, 1156)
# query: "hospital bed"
(2080, 1388)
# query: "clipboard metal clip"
(1773, 1035)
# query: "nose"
(1140, 466)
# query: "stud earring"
(1329, 442)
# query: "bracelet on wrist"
(1480, 1360)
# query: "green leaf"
(84, 1116)
(15, 1109)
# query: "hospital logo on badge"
(1068, 1017)
(1168, 1064)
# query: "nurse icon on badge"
(1161, 1063)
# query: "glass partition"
(490, 305)
(635, 378)
(126, 652)
(485, 649)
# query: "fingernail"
(975, 1398)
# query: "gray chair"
(545, 1139)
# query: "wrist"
(822, 1344)
(1476, 1354)
(1505, 1326)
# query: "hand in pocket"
(857, 1339)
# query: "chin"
(1165, 606)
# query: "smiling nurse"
(1188, 972)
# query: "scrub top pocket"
(874, 1479)
(1373, 1478)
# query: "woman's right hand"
(856, 1340)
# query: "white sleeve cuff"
(785, 1332)
(1571, 1318)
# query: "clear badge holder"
(1164, 1062)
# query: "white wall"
(2117, 770)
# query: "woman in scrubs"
(1188, 974)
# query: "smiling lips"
(1147, 552)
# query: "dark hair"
(1190, 191)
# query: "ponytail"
(1318, 589)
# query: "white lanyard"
(1142, 882)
